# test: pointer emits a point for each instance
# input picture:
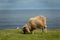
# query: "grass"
(14, 34)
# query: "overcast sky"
(29, 4)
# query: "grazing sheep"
(34, 23)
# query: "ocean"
(17, 18)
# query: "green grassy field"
(13, 34)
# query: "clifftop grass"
(14, 34)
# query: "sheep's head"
(26, 29)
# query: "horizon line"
(32, 9)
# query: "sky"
(29, 4)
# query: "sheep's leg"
(32, 32)
(24, 32)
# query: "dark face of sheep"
(25, 29)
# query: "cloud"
(53, 1)
(19, 4)
(31, 1)
(54, 4)
(28, 4)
